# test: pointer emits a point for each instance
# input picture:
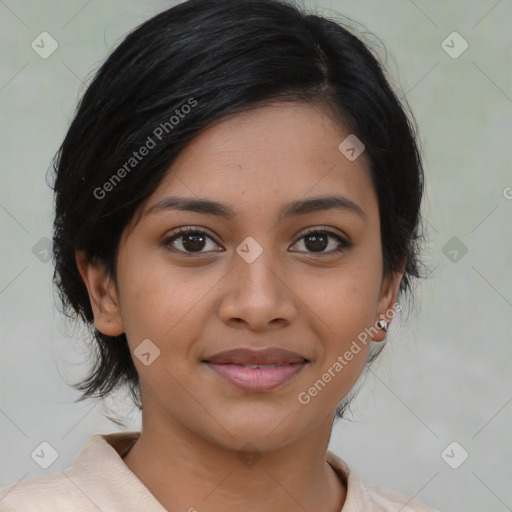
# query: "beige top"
(99, 480)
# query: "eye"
(191, 240)
(318, 239)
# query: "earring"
(109, 322)
(382, 324)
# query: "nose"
(257, 296)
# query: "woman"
(237, 214)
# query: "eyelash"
(344, 244)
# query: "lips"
(256, 371)
(248, 357)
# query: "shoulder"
(364, 496)
(98, 479)
(55, 492)
(78, 488)
(386, 500)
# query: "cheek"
(155, 295)
(344, 299)
(161, 306)
(344, 305)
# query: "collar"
(100, 472)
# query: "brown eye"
(317, 241)
(191, 240)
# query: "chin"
(267, 426)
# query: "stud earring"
(382, 324)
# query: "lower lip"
(256, 379)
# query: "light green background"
(446, 373)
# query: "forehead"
(260, 159)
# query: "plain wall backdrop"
(445, 375)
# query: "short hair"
(200, 61)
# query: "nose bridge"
(256, 292)
(257, 269)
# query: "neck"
(184, 471)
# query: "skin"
(291, 296)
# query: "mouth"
(256, 371)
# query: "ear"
(387, 301)
(102, 294)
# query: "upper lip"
(246, 356)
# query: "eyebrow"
(299, 207)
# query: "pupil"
(196, 245)
(319, 241)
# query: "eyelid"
(330, 230)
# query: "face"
(251, 275)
